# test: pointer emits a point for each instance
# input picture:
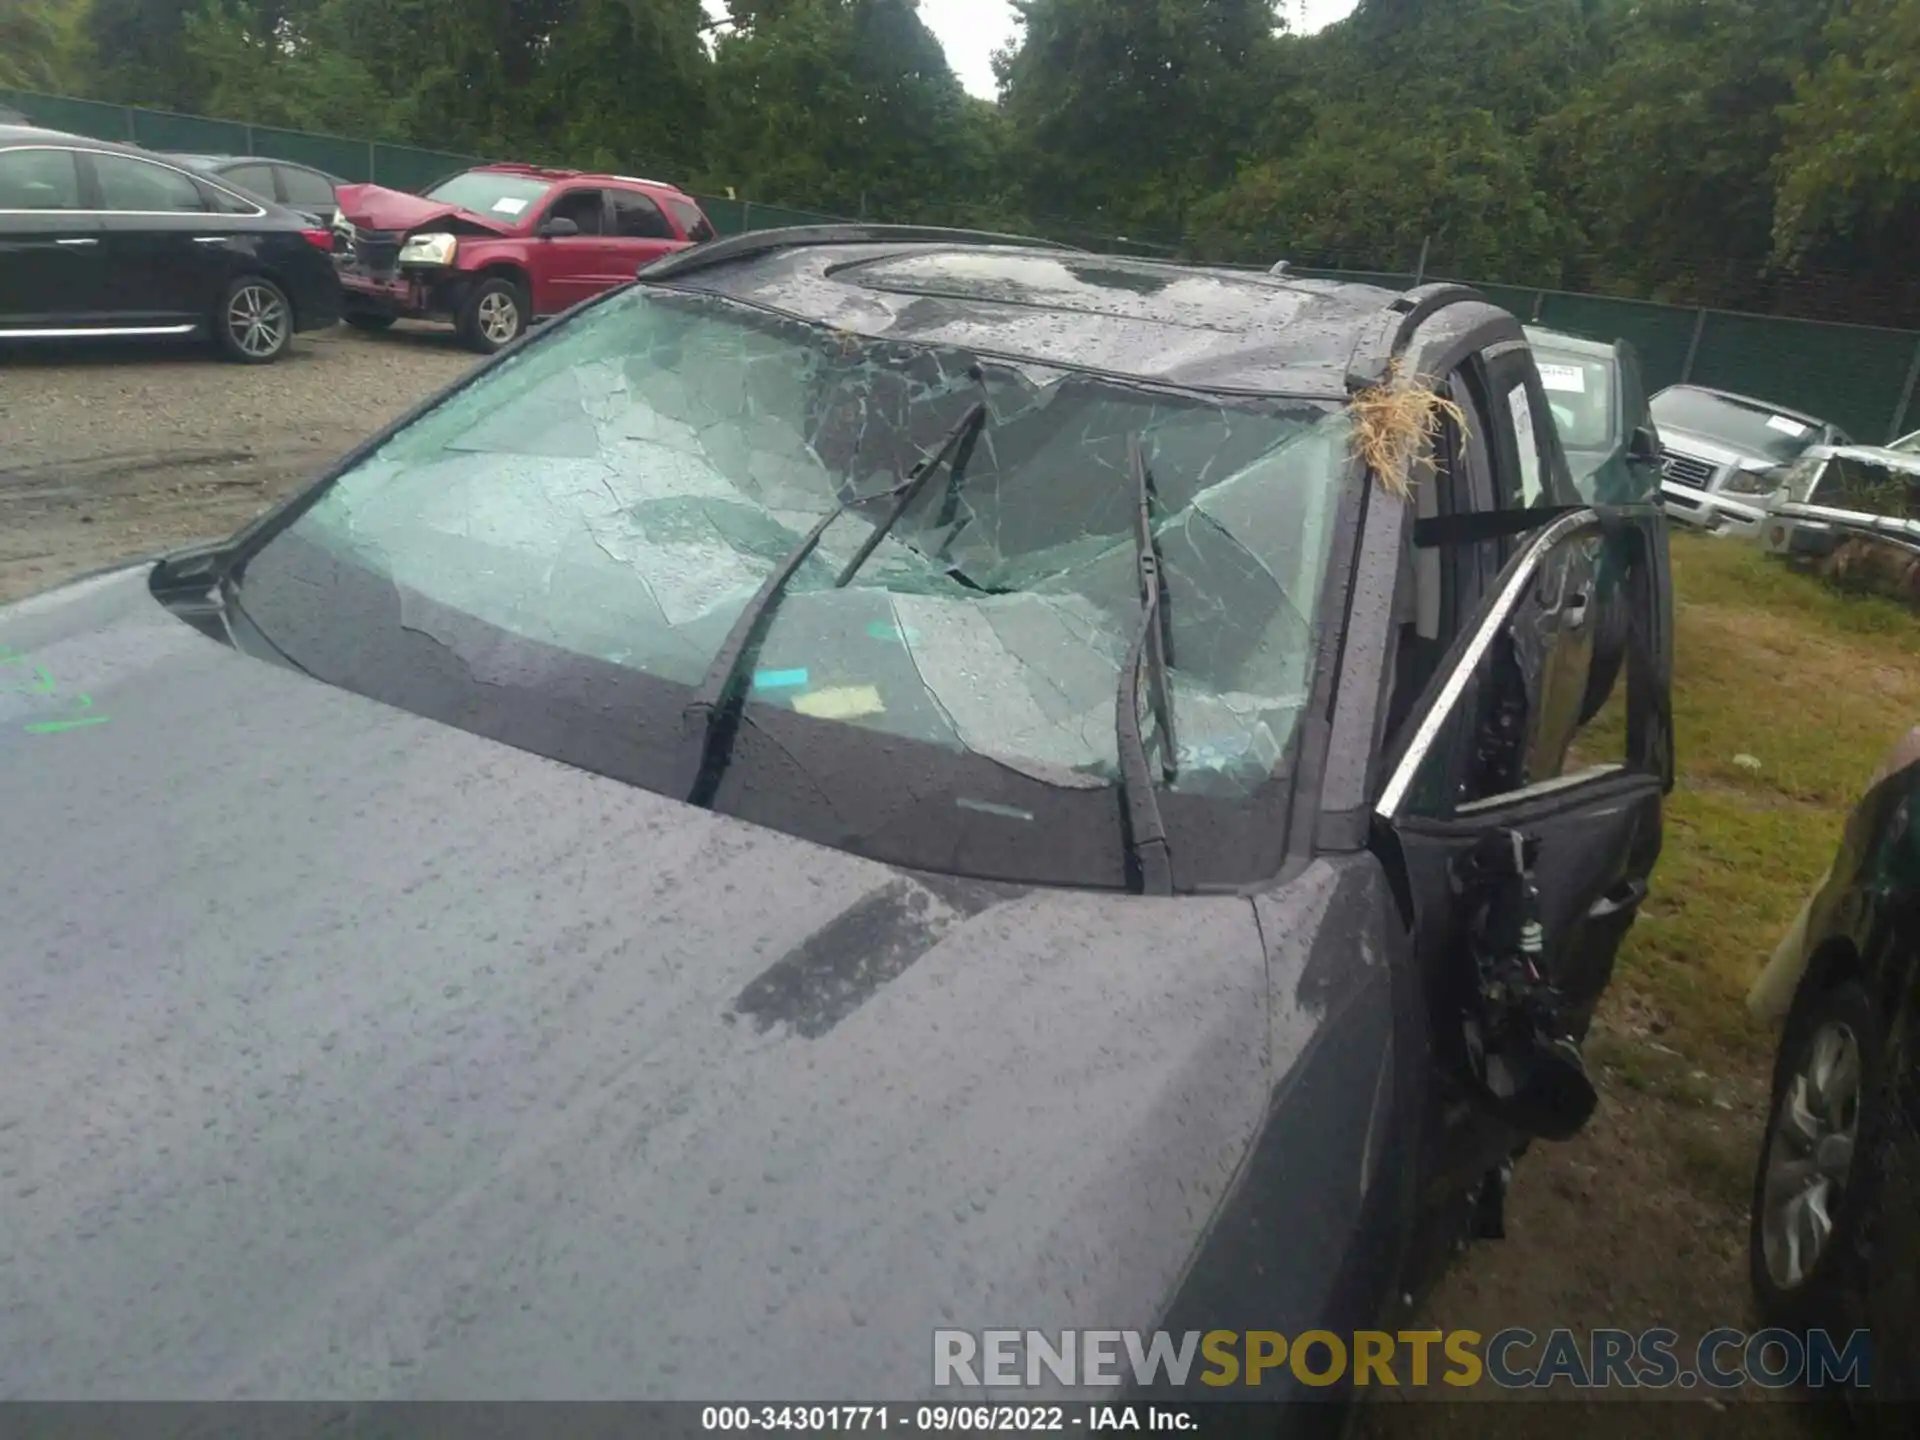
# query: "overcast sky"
(971, 30)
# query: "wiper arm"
(715, 707)
(1146, 832)
(958, 442)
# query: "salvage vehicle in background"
(98, 239)
(916, 777)
(1599, 402)
(1834, 1232)
(1834, 492)
(1710, 437)
(495, 248)
(308, 192)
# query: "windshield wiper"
(1151, 649)
(958, 442)
(715, 707)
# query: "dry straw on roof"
(1392, 419)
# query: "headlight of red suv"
(429, 250)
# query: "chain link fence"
(1861, 377)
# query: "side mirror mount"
(558, 228)
(1643, 447)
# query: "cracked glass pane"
(623, 489)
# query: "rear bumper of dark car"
(316, 304)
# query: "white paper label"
(1567, 379)
(1786, 426)
(509, 206)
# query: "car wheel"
(253, 324)
(494, 315)
(369, 320)
(1807, 1193)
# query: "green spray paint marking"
(54, 727)
(43, 683)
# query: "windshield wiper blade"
(958, 442)
(1146, 832)
(715, 707)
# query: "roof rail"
(763, 242)
(1374, 352)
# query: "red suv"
(497, 247)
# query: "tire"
(253, 323)
(493, 315)
(1612, 634)
(371, 320)
(1793, 1292)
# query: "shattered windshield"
(620, 490)
(485, 192)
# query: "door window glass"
(583, 208)
(255, 179)
(691, 221)
(638, 218)
(1547, 702)
(135, 185)
(308, 189)
(38, 180)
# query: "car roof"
(1571, 344)
(1752, 402)
(37, 135)
(1148, 320)
(29, 134)
(556, 176)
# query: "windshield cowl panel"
(576, 533)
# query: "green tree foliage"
(1849, 169)
(1356, 195)
(847, 107)
(1129, 111)
(44, 44)
(1665, 157)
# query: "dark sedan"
(105, 240)
(308, 192)
(869, 783)
(1835, 1230)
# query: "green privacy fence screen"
(1859, 376)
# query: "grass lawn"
(1815, 685)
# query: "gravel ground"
(114, 451)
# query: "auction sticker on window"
(1567, 379)
(509, 206)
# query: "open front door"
(1524, 835)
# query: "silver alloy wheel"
(257, 320)
(1810, 1154)
(499, 317)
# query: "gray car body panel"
(351, 1055)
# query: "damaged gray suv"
(870, 782)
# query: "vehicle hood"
(374, 207)
(349, 1055)
(1705, 447)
